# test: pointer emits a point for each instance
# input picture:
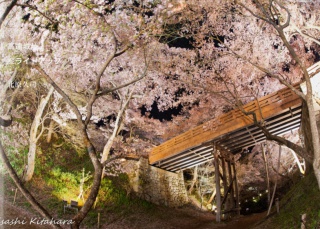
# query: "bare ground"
(160, 218)
(183, 218)
(14, 213)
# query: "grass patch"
(303, 198)
(57, 177)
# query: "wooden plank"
(184, 155)
(192, 164)
(189, 159)
(259, 133)
(242, 133)
(263, 138)
(233, 141)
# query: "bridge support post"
(217, 180)
(231, 183)
(225, 204)
(224, 175)
(236, 186)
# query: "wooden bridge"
(231, 133)
(234, 131)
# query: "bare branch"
(306, 35)
(61, 92)
(107, 91)
(94, 97)
(36, 9)
(7, 11)
(252, 13)
(282, 80)
(90, 9)
(286, 24)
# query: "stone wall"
(157, 185)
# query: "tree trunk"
(275, 185)
(265, 160)
(33, 136)
(23, 190)
(50, 131)
(7, 11)
(300, 166)
(312, 115)
(315, 138)
(194, 179)
(95, 186)
(5, 122)
(212, 196)
(108, 145)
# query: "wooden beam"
(229, 188)
(192, 165)
(189, 159)
(184, 154)
(224, 176)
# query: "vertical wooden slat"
(217, 179)
(224, 203)
(224, 176)
(236, 186)
(231, 184)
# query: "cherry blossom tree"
(168, 55)
(86, 52)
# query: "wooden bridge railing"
(270, 105)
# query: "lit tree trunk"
(194, 180)
(315, 135)
(43, 212)
(108, 145)
(275, 185)
(312, 115)
(5, 119)
(50, 131)
(83, 125)
(6, 86)
(212, 196)
(33, 136)
(7, 11)
(265, 160)
(301, 169)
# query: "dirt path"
(240, 222)
(18, 218)
(159, 218)
(185, 218)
